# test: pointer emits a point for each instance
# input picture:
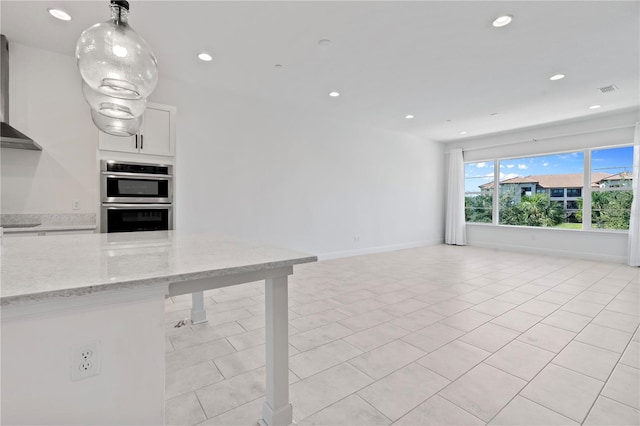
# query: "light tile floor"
(435, 335)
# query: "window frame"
(586, 189)
(589, 193)
(493, 204)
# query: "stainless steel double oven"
(136, 196)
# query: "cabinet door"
(117, 143)
(157, 132)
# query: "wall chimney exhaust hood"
(10, 137)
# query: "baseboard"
(378, 249)
(602, 257)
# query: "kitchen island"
(63, 294)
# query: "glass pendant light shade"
(113, 107)
(114, 60)
(116, 126)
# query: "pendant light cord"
(120, 4)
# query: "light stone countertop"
(48, 228)
(47, 222)
(42, 269)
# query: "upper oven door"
(136, 188)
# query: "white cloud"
(510, 166)
(481, 165)
(504, 176)
(523, 166)
(545, 164)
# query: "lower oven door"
(136, 217)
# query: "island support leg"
(277, 410)
(198, 314)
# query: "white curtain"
(634, 224)
(455, 232)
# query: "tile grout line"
(453, 402)
(619, 402)
(550, 409)
(558, 353)
(609, 377)
(547, 364)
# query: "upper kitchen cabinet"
(157, 134)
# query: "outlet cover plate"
(85, 360)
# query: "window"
(611, 192)
(525, 191)
(521, 202)
(478, 192)
(549, 190)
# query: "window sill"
(551, 229)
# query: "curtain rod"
(545, 138)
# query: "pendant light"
(119, 71)
(116, 126)
(113, 59)
(111, 106)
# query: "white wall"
(46, 104)
(597, 131)
(36, 386)
(607, 129)
(268, 172)
(246, 168)
(592, 245)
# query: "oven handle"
(136, 175)
(121, 206)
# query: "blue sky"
(611, 161)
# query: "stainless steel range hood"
(10, 137)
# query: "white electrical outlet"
(75, 204)
(85, 361)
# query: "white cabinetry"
(157, 134)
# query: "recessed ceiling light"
(595, 106)
(59, 14)
(463, 133)
(556, 77)
(278, 65)
(334, 94)
(501, 21)
(324, 42)
(205, 57)
(409, 116)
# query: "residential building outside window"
(540, 191)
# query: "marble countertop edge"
(57, 294)
(50, 228)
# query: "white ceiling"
(437, 60)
